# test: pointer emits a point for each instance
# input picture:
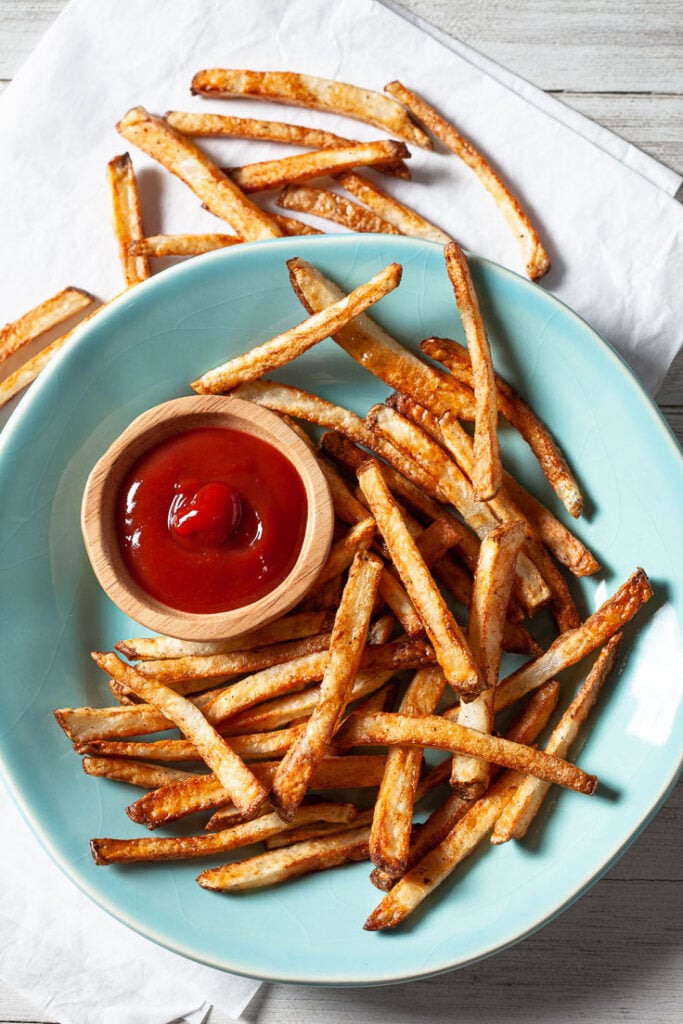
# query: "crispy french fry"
(292, 226)
(533, 253)
(259, 745)
(155, 848)
(202, 125)
(434, 731)
(403, 219)
(513, 407)
(487, 472)
(393, 813)
(285, 347)
(180, 245)
(127, 218)
(370, 345)
(245, 790)
(349, 635)
(136, 773)
(450, 646)
(492, 589)
(317, 831)
(321, 202)
(48, 314)
(84, 725)
(181, 157)
(312, 92)
(292, 170)
(575, 644)
(342, 552)
(526, 801)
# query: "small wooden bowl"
(98, 516)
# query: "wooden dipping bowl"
(98, 516)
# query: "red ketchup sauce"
(211, 519)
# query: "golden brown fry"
(487, 472)
(321, 202)
(127, 218)
(245, 790)
(84, 725)
(287, 346)
(404, 220)
(534, 255)
(200, 124)
(342, 552)
(48, 314)
(317, 831)
(312, 92)
(393, 813)
(181, 157)
(575, 644)
(155, 848)
(136, 773)
(292, 170)
(258, 745)
(513, 407)
(292, 226)
(491, 594)
(349, 635)
(434, 731)
(450, 646)
(375, 349)
(526, 801)
(181, 245)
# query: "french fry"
(312, 92)
(492, 589)
(393, 814)
(317, 831)
(127, 218)
(513, 407)
(294, 626)
(285, 347)
(85, 725)
(155, 848)
(321, 202)
(180, 245)
(371, 346)
(292, 170)
(277, 866)
(450, 647)
(292, 226)
(403, 219)
(134, 772)
(487, 472)
(533, 253)
(526, 801)
(342, 552)
(349, 635)
(575, 644)
(203, 125)
(48, 314)
(253, 746)
(435, 732)
(245, 790)
(181, 157)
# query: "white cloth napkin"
(606, 212)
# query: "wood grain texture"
(615, 957)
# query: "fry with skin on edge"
(575, 644)
(127, 218)
(487, 472)
(321, 202)
(490, 597)
(534, 255)
(526, 801)
(181, 157)
(450, 646)
(349, 635)
(312, 92)
(134, 772)
(48, 314)
(287, 346)
(526, 727)
(156, 848)
(401, 217)
(245, 790)
(292, 170)
(522, 417)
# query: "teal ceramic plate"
(146, 348)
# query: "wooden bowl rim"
(149, 428)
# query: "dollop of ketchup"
(204, 515)
(211, 519)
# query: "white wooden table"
(615, 957)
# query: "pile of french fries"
(439, 560)
(333, 181)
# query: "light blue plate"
(146, 348)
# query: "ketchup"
(211, 519)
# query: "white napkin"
(606, 212)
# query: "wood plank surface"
(615, 957)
